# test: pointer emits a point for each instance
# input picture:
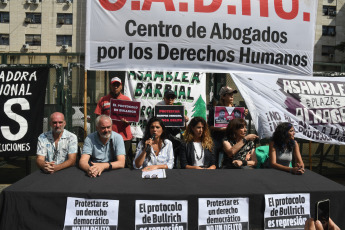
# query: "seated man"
(104, 148)
(56, 149)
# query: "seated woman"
(196, 152)
(154, 151)
(239, 148)
(282, 147)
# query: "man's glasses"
(153, 176)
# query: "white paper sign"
(223, 213)
(286, 211)
(161, 214)
(97, 214)
(213, 35)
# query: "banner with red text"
(314, 105)
(194, 35)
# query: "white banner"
(212, 36)
(84, 213)
(149, 87)
(223, 213)
(161, 214)
(314, 105)
(286, 211)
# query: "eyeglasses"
(153, 176)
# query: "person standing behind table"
(56, 149)
(155, 150)
(169, 99)
(283, 147)
(122, 127)
(104, 149)
(239, 148)
(196, 152)
(218, 133)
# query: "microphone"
(149, 146)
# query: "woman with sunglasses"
(196, 152)
(154, 151)
(284, 147)
(239, 148)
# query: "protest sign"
(91, 214)
(314, 105)
(171, 115)
(149, 87)
(213, 36)
(222, 115)
(161, 214)
(121, 109)
(286, 211)
(22, 94)
(223, 213)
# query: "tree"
(199, 108)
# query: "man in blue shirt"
(104, 149)
(56, 149)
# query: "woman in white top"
(196, 152)
(283, 147)
(154, 151)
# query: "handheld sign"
(222, 115)
(171, 115)
(122, 109)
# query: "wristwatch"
(110, 166)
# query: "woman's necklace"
(201, 155)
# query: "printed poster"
(171, 115)
(222, 115)
(223, 213)
(122, 109)
(161, 214)
(286, 211)
(91, 214)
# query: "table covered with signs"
(39, 200)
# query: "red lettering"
(112, 6)
(200, 7)
(264, 8)
(246, 7)
(278, 6)
(169, 4)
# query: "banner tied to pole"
(314, 105)
(212, 36)
(149, 87)
(22, 94)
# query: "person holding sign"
(283, 147)
(226, 99)
(239, 148)
(56, 149)
(104, 148)
(154, 151)
(196, 152)
(121, 127)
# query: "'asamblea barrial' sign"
(272, 36)
(314, 105)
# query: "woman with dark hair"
(154, 151)
(283, 147)
(196, 152)
(238, 147)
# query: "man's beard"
(105, 136)
(57, 131)
(114, 95)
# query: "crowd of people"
(110, 147)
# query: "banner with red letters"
(200, 35)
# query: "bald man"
(56, 149)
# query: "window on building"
(34, 18)
(65, 19)
(4, 39)
(64, 40)
(63, 1)
(328, 30)
(328, 51)
(4, 17)
(33, 39)
(329, 10)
